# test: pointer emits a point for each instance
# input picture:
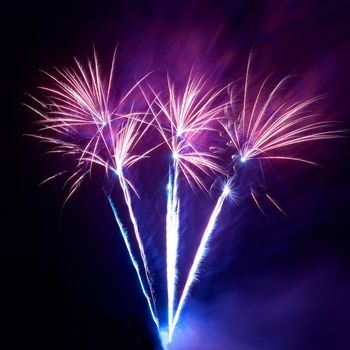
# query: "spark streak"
(124, 233)
(172, 238)
(127, 198)
(200, 254)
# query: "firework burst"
(79, 119)
(262, 128)
(182, 118)
(73, 114)
(266, 129)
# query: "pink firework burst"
(266, 129)
(261, 128)
(77, 117)
(182, 117)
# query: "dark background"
(276, 283)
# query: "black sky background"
(66, 281)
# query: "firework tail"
(172, 238)
(133, 260)
(127, 197)
(200, 254)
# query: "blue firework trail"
(124, 234)
(172, 238)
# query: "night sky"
(268, 283)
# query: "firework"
(186, 116)
(181, 119)
(262, 128)
(253, 134)
(268, 125)
(120, 157)
(80, 120)
(74, 113)
(133, 260)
